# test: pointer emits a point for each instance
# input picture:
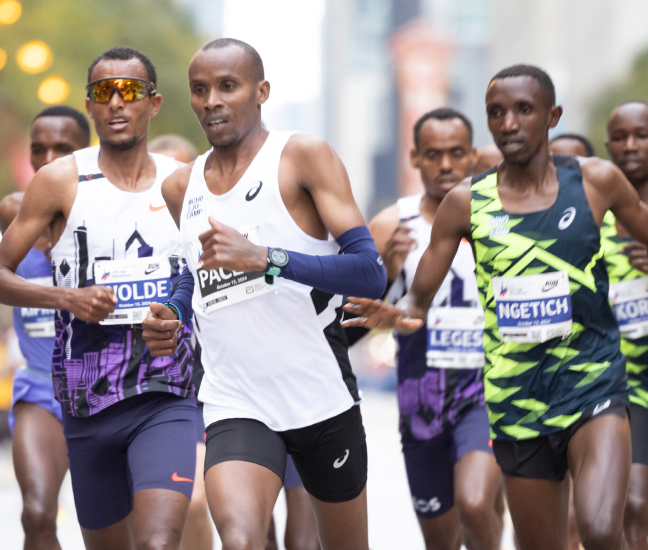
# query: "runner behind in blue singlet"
(39, 452)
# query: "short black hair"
(255, 58)
(125, 53)
(589, 148)
(65, 111)
(444, 113)
(534, 72)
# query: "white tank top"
(274, 353)
(454, 332)
(130, 242)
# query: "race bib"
(630, 303)
(38, 323)
(220, 288)
(533, 308)
(455, 338)
(136, 283)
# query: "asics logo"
(340, 461)
(567, 217)
(176, 477)
(252, 193)
(156, 208)
(601, 407)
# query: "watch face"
(278, 257)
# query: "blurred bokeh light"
(53, 90)
(10, 11)
(3, 58)
(34, 57)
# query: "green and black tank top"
(551, 340)
(632, 311)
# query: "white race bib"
(455, 338)
(220, 288)
(630, 302)
(136, 283)
(38, 323)
(533, 308)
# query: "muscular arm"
(321, 174)
(452, 223)
(44, 200)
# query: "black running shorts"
(330, 456)
(545, 457)
(639, 433)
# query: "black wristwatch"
(278, 259)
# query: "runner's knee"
(600, 533)
(38, 518)
(474, 511)
(636, 510)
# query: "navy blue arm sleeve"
(357, 271)
(182, 295)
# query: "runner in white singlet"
(277, 373)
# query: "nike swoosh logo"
(156, 208)
(340, 461)
(176, 477)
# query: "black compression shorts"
(545, 457)
(330, 456)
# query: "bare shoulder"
(460, 195)
(177, 182)
(454, 211)
(306, 145)
(599, 173)
(53, 186)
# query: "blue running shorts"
(143, 442)
(34, 386)
(430, 463)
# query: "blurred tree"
(634, 86)
(77, 32)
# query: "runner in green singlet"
(554, 379)
(626, 261)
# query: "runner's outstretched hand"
(160, 330)
(225, 247)
(377, 314)
(91, 303)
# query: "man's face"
(519, 117)
(122, 124)
(53, 137)
(628, 140)
(444, 155)
(225, 95)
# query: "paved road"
(392, 524)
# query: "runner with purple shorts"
(129, 418)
